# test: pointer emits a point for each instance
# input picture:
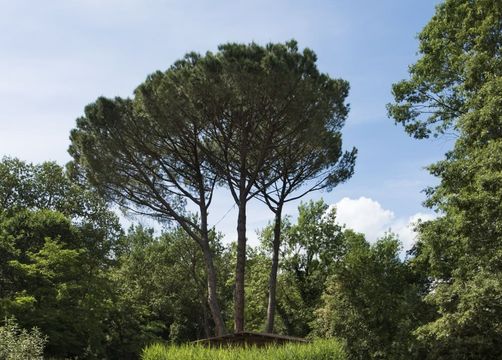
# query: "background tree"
(311, 248)
(371, 301)
(160, 291)
(57, 240)
(456, 84)
(17, 343)
(257, 264)
(50, 186)
(54, 283)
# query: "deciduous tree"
(371, 301)
(456, 84)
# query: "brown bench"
(248, 338)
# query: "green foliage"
(371, 301)
(469, 323)
(458, 82)
(56, 241)
(20, 344)
(460, 52)
(52, 282)
(318, 350)
(312, 246)
(257, 267)
(159, 291)
(65, 270)
(49, 186)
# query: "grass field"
(317, 350)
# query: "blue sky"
(59, 55)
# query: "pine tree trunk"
(240, 267)
(272, 286)
(212, 297)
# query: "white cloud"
(367, 216)
(405, 228)
(364, 215)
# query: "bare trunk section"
(212, 296)
(240, 266)
(272, 285)
(205, 319)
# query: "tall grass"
(318, 350)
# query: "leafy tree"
(371, 301)
(457, 84)
(48, 186)
(311, 248)
(132, 321)
(159, 291)
(257, 264)
(51, 281)
(460, 54)
(57, 241)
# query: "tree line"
(98, 291)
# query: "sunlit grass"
(317, 350)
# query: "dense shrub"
(20, 344)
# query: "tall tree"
(456, 84)
(221, 116)
(261, 101)
(311, 160)
(146, 155)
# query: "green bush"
(20, 344)
(318, 350)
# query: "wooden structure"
(248, 338)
